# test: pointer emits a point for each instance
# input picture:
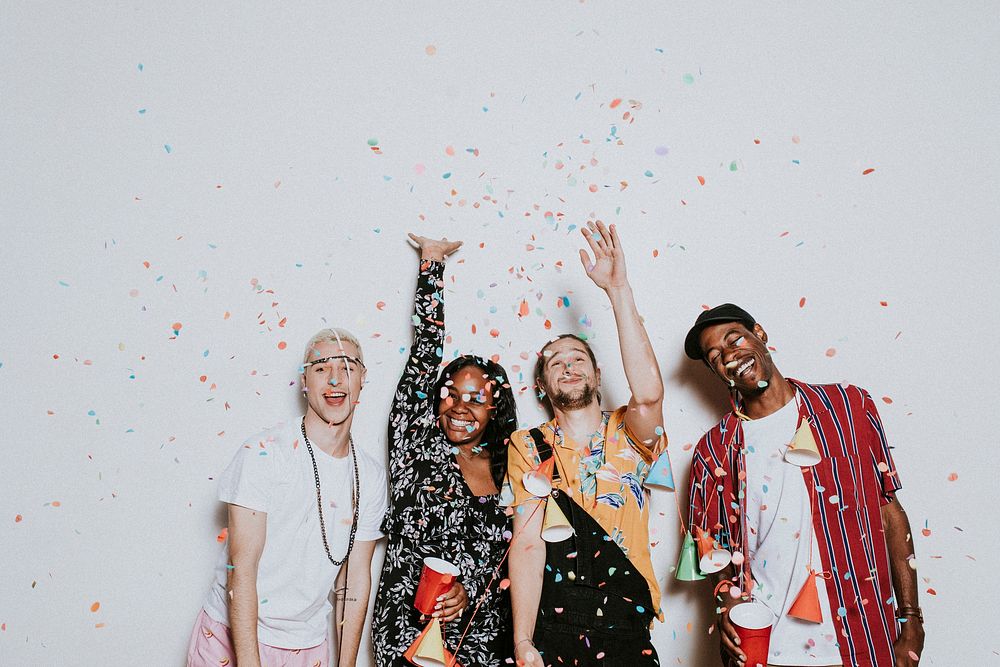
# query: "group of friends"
(306, 507)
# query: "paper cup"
(803, 450)
(436, 579)
(660, 474)
(753, 622)
(538, 482)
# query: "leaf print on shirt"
(615, 500)
(631, 480)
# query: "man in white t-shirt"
(305, 506)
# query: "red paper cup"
(436, 579)
(753, 622)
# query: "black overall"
(595, 609)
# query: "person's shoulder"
(278, 442)
(368, 462)
(830, 392)
(522, 436)
(716, 434)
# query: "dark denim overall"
(595, 609)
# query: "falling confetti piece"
(831, 352)
(887, 400)
(380, 305)
(867, 171)
(99, 625)
(615, 102)
(802, 302)
(430, 49)
(883, 303)
(701, 180)
(56, 503)
(282, 345)
(168, 148)
(953, 477)
(18, 519)
(688, 79)
(95, 606)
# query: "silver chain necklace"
(355, 498)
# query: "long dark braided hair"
(503, 417)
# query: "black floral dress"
(432, 512)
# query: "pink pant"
(212, 646)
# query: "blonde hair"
(332, 335)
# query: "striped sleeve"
(701, 490)
(881, 456)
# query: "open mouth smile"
(738, 368)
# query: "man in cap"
(798, 483)
(305, 508)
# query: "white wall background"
(270, 216)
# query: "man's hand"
(910, 643)
(608, 268)
(728, 638)
(526, 655)
(450, 605)
(434, 249)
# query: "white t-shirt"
(272, 473)
(779, 525)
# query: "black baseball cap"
(727, 312)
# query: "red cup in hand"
(753, 622)
(436, 579)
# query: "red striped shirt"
(856, 467)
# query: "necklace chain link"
(355, 498)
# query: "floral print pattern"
(433, 513)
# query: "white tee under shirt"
(779, 525)
(272, 473)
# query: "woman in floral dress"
(448, 437)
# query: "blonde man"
(305, 507)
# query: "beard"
(573, 400)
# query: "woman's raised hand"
(434, 249)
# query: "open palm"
(607, 269)
(436, 249)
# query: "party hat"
(660, 475)
(555, 526)
(538, 482)
(711, 557)
(802, 450)
(687, 564)
(428, 650)
(806, 605)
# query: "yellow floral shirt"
(605, 478)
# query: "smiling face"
(466, 406)
(739, 356)
(332, 378)
(568, 374)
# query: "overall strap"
(544, 451)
